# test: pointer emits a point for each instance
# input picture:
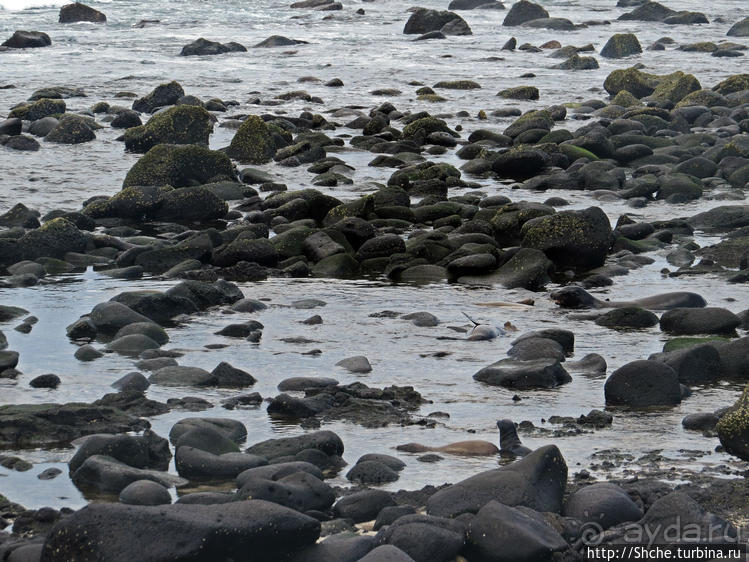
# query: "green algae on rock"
(181, 124)
(253, 142)
(179, 166)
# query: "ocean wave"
(18, 5)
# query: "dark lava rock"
(536, 481)
(106, 475)
(363, 506)
(517, 533)
(27, 39)
(139, 451)
(40, 425)
(145, 492)
(621, 45)
(643, 383)
(425, 538)
(197, 465)
(698, 364)
(45, 381)
(570, 238)
(180, 532)
(603, 504)
(71, 13)
(709, 320)
(371, 472)
(513, 373)
(627, 317)
(162, 95)
(524, 11)
(203, 46)
(700, 422)
(326, 441)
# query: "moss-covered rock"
(135, 202)
(636, 82)
(419, 129)
(423, 171)
(570, 238)
(520, 93)
(708, 98)
(291, 242)
(457, 85)
(182, 124)
(540, 119)
(735, 83)
(520, 162)
(162, 95)
(318, 204)
(39, 109)
(625, 99)
(621, 45)
(648, 11)
(573, 152)
(674, 87)
(53, 239)
(72, 129)
(180, 166)
(253, 142)
(676, 344)
(431, 98)
(191, 204)
(509, 219)
(339, 266)
(699, 47)
(362, 208)
(733, 428)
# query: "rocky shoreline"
(213, 223)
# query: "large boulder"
(179, 166)
(648, 11)
(621, 45)
(253, 142)
(696, 364)
(524, 11)
(708, 320)
(536, 481)
(72, 129)
(325, 441)
(733, 428)
(571, 238)
(53, 239)
(155, 305)
(643, 383)
(182, 124)
(27, 40)
(106, 475)
(191, 204)
(739, 29)
(162, 95)
(603, 504)
(425, 538)
(104, 531)
(423, 20)
(502, 533)
(519, 374)
(40, 425)
(363, 506)
(138, 451)
(300, 490)
(71, 13)
(197, 465)
(203, 46)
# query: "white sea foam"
(18, 5)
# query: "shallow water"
(366, 52)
